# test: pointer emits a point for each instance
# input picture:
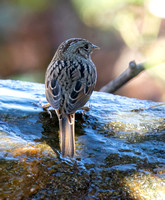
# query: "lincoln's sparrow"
(69, 82)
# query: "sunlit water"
(119, 154)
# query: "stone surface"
(120, 154)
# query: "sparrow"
(69, 82)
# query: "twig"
(132, 71)
(141, 109)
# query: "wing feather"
(69, 85)
(53, 89)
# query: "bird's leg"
(48, 111)
(86, 108)
(44, 107)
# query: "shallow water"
(119, 154)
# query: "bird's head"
(74, 47)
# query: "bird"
(69, 82)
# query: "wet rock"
(119, 154)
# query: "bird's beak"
(95, 47)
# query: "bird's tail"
(67, 134)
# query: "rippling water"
(119, 154)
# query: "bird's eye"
(86, 47)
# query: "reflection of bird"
(69, 82)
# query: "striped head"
(75, 47)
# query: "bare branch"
(132, 71)
(141, 109)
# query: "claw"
(85, 108)
(44, 107)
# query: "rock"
(120, 154)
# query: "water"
(119, 154)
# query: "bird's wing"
(52, 86)
(84, 80)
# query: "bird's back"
(73, 82)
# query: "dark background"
(125, 30)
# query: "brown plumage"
(70, 80)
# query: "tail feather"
(67, 135)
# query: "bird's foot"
(85, 108)
(44, 107)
